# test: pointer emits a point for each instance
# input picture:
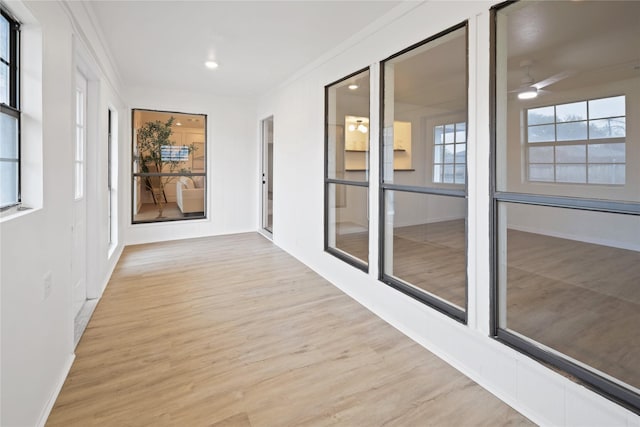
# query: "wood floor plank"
(232, 331)
(581, 299)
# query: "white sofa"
(189, 196)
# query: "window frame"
(342, 255)
(455, 163)
(134, 174)
(13, 108)
(590, 378)
(586, 142)
(438, 189)
(175, 153)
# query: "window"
(9, 112)
(175, 154)
(566, 257)
(578, 142)
(81, 135)
(169, 166)
(347, 169)
(450, 153)
(423, 223)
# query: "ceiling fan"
(530, 89)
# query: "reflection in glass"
(450, 153)
(567, 260)
(348, 222)
(425, 243)
(169, 166)
(575, 129)
(576, 294)
(347, 129)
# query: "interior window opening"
(169, 164)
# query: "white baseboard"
(113, 261)
(54, 396)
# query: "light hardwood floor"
(430, 257)
(580, 299)
(232, 331)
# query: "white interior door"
(79, 222)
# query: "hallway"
(231, 330)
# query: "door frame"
(80, 228)
(264, 177)
(95, 170)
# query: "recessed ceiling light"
(178, 124)
(353, 86)
(211, 64)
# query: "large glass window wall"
(347, 129)
(423, 172)
(566, 197)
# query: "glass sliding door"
(566, 197)
(423, 172)
(347, 169)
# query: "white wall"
(232, 163)
(37, 331)
(546, 397)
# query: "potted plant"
(156, 153)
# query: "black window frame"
(344, 256)
(598, 383)
(435, 189)
(134, 174)
(13, 108)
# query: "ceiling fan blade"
(553, 79)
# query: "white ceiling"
(587, 42)
(258, 44)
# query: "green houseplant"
(156, 153)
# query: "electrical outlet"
(47, 283)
